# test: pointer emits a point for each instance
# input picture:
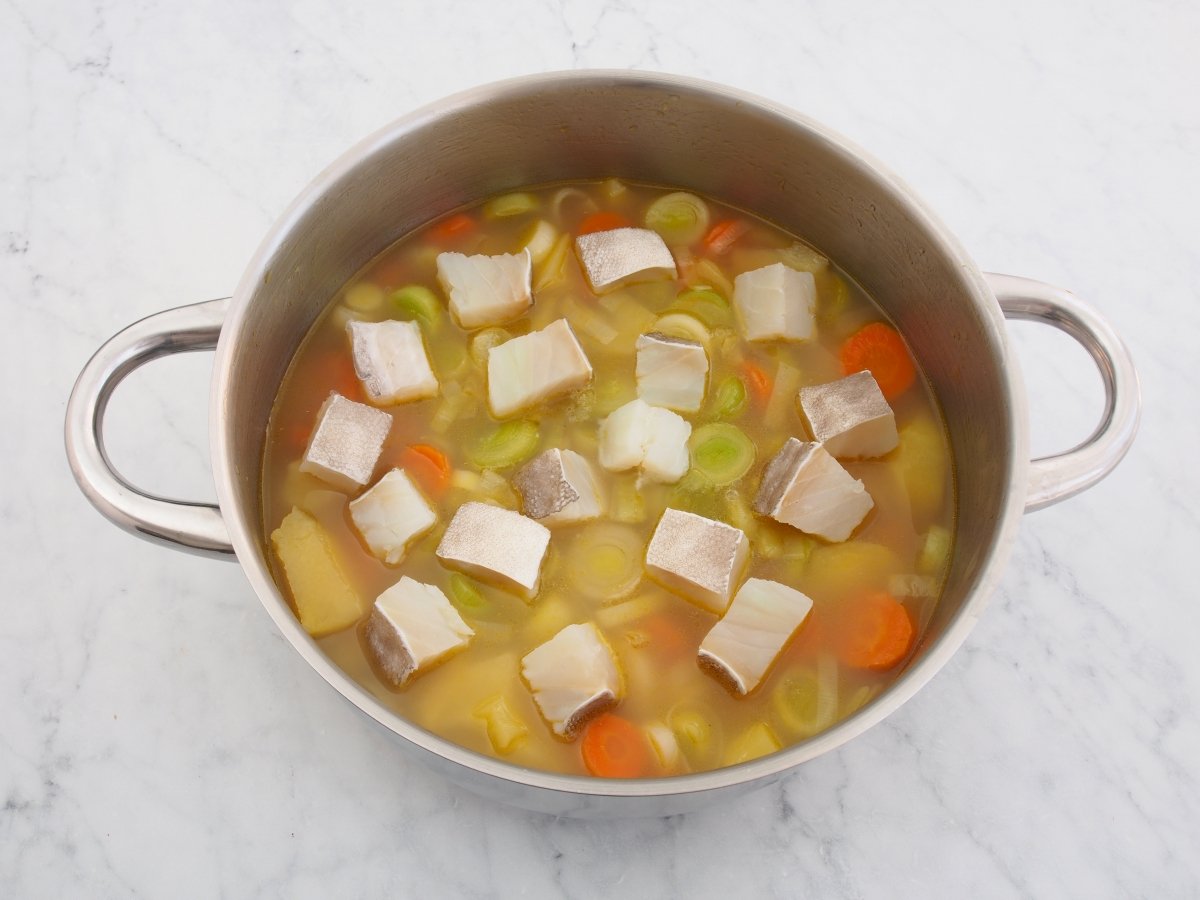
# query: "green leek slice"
(511, 443)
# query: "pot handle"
(1055, 478)
(195, 527)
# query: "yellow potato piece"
(921, 461)
(505, 730)
(758, 741)
(325, 601)
(835, 569)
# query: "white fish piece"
(758, 624)
(391, 515)
(776, 302)
(671, 372)
(496, 545)
(803, 486)
(535, 367)
(850, 416)
(573, 677)
(346, 443)
(390, 360)
(638, 434)
(700, 558)
(412, 627)
(486, 290)
(612, 259)
(558, 487)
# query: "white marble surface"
(159, 739)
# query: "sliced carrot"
(724, 235)
(875, 632)
(878, 348)
(458, 225)
(758, 381)
(603, 221)
(667, 640)
(429, 466)
(613, 747)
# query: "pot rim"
(244, 529)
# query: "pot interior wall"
(648, 130)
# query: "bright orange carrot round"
(429, 466)
(758, 381)
(724, 235)
(458, 225)
(613, 747)
(603, 221)
(878, 348)
(876, 632)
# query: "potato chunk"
(325, 601)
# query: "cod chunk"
(346, 443)
(535, 367)
(758, 624)
(390, 515)
(573, 677)
(638, 434)
(612, 259)
(671, 372)
(849, 416)
(558, 487)
(325, 601)
(803, 486)
(390, 360)
(496, 545)
(776, 302)
(486, 290)
(412, 628)
(700, 558)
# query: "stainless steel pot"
(740, 149)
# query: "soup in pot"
(609, 479)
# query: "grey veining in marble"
(158, 738)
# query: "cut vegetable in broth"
(745, 476)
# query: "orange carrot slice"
(875, 632)
(724, 235)
(603, 221)
(457, 226)
(758, 381)
(879, 349)
(613, 747)
(429, 466)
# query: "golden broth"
(653, 632)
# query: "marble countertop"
(160, 739)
